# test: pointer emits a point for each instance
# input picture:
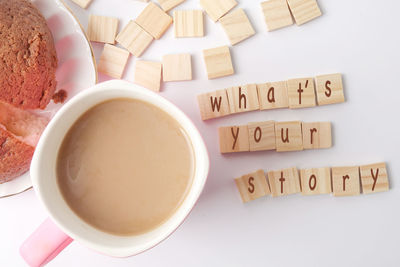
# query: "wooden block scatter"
(233, 139)
(315, 181)
(112, 61)
(188, 23)
(154, 20)
(252, 186)
(301, 93)
(102, 29)
(284, 182)
(213, 105)
(218, 62)
(217, 8)
(316, 135)
(273, 95)
(243, 98)
(262, 135)
(134, 39)
(276, 14)
(237, 26)
(374, 178)
(304, 10)
(177, 67)
(329, 89)
(82, 3)
(148, 74)
(345, 181)
(169, 4)
(288, 136)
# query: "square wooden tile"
(148, 74)
(188, 23)
(329, 89)
(317, 135)
(304, 10)
(288, 136)
(301, 93)
(276, 14)
(345, 181)
(252, 186)
(315, 181)
(169, 4)
(218, 62)
(284, 182)
(134, 39)
(243, 98)
(237, 26)
(102, 29)
(273, 95)
(374, 178)
(213, 104)
(154, 20)
(233, 139)
(82, 3)
(177, 67)
(113, 61)
(217, 8)
(262, 135)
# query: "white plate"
(76, 67)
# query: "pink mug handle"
(44, 244)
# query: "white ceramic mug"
(50, 239)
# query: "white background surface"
(357, 38)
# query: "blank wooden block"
(177, 67)
(315, 181)
(134, 39)
(112, 61)
(233, 139)
(284, 182)
(301, 93)
(262, 135)
(237, 26)
(288, 136)
(148, 74)
(154, 20)
(276, 14)
(217, 8)
(252, 186)
(169, 4)
(273, 95)
(213, 105)
(218, 62)
(304, 10)
(243, 98)
(82, 3)
(188, 23)
(345, 181)
(374, 178)
(317, 135)
(102, 29)
(329, 89)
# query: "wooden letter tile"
(233, 139)
(177, 67)
(301, 93)
(243, 98)
(217, 8)
(262, 135)
(213, 105)
(317, 135)
(218, 62)
(284, 182)
(329, 89)
(148, 74)
(82, 3)
(237, 26)
(102, 29)
(134, 39)
(273, 95)
(112, 61)
(276, 14)
(374, 178)
(288, 136)
(154, 20)
(252, 186)
(315, 181)
(304, 10)
(169, 4)
(345, 181)
(188, 23)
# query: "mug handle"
(44, 244)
